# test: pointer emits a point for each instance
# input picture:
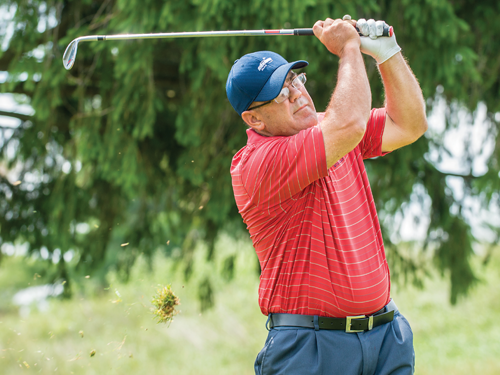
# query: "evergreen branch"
(11, 53)
(5, 59)
(19, 89)
(467, 177)
(15, 115)
(101, 113)
(96, 21)
(2, 128)
(66, 90)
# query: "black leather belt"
(358, 323)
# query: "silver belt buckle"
(350, 318)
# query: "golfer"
(302, 190)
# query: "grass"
(461, 339)
(118, 325)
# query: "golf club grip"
(387, 31)
(303, 32)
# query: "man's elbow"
(417, 130)
(411, 131)
(359, 126)
(421, 127)
(359, 122)
(357, 130)
(415, 124)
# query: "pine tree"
(134, 143)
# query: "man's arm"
(348, 112)
(406, 120)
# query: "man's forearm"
(404, 99)
(351, 100)
(348, 112)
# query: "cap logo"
(264, 63)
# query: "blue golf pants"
(387, 349)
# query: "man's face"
(286, 118)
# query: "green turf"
(118, 325)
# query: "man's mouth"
(300, 108)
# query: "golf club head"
(70, 54)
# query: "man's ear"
(254, 120)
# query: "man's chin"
(311, 120)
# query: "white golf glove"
(381, 48)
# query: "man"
(302, 189)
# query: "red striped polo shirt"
(315, 230)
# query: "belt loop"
(391, 306)
(268, 319)
(316, 322)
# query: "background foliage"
(133, 145)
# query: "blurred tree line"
(133, 145)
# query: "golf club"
(70, 52)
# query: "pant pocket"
(261, 357)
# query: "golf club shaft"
(70, 52)
(202, 34)
(197, 34)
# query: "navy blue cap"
(258, 77)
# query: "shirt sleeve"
(280, 167)
(371, 144)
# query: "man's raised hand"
(336, 34)
(381, 48)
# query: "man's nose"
(294, 93)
